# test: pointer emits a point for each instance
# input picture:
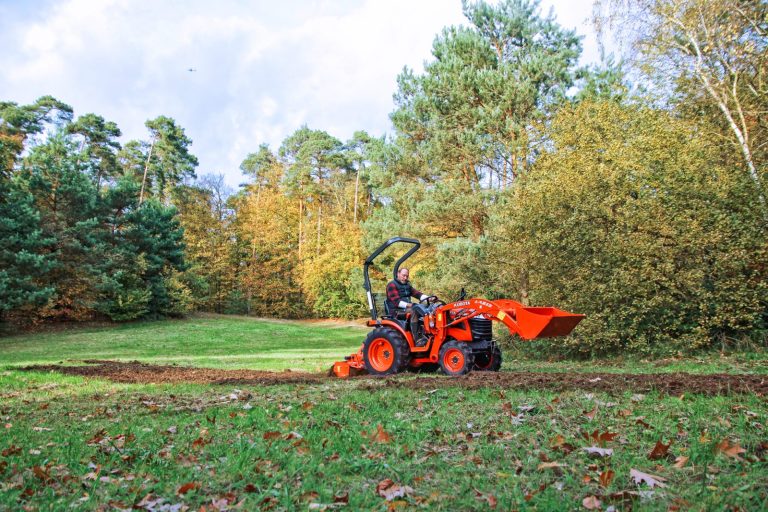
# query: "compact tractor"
(459, 334)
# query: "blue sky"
(261, 68)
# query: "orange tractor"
(459, 334)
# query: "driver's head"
(402, 275)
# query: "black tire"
(489, 361)
(456, 358)
(385, 352)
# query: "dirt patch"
(667, 383)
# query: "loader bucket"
(545, 322)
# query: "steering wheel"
(432, 299)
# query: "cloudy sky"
(234, 74)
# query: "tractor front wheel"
(385, 352)
(489, 361)
(456, 358)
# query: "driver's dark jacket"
(397, 291)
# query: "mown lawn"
(69, 443)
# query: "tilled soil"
(667, 383)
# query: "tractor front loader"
(459, 334)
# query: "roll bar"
(374, 254)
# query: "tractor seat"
(398, 315)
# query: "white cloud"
(261, 68)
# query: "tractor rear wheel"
(385, 352)
(489, 361)
(456, 358)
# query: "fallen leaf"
(651, 480)
(389, 490)
(641, 421)
(309, 496)
(591, 414)
(184, 489)
(660, 451)
(550, 465)
(681, 461)
(268, 436)
(11, 450)
(591, 503)
(606, 477)
(600, 452)
(488, 498)
(731, 450)
(381, 436)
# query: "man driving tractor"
(399, 293)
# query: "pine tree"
(23, 260)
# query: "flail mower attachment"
(459, 335)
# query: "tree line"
(633, 192)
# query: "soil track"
(667, 383)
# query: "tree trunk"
(301, 217)
(357, 185)
(319, 217)
(146, 168)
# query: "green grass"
(216, 342)
(319, 446)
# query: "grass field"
(71, 443)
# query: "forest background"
(633, 192)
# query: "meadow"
(404, 442)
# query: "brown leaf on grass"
(250, 488)
(97, 437)
(557, 441)
(11, 450)
(681, 461)
(200, 442)
(600, 437)
(606, 477)
(301, 446)
(599, 452)
(530, 495)
(729, 449)
(389, 490)
(651, 480)
(488, 498)
(641, 421)
(591, 503)
(42, 473)
(660, 451)
(269, 436)
(341, 497)
(310, 496)
(591, 414)
(550, 465)
(189, 486)
(380, 436)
